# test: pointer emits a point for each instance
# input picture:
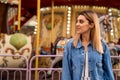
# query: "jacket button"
(89, 60)
(82, 54)
(81, 64)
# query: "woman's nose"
(77, 24)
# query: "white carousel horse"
(105, 24)
(59, 51)
(11, 49)
(115, 61)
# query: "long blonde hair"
(95, 36)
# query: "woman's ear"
(92, 25)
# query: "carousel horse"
(105, 24)
(59, 50)
(15, 44)
(115, 61)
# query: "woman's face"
(82, 25)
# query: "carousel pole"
(52, 25)
(52, 20)
(37, 38)
(19, 15)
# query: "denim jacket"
(100, 66)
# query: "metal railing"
(15, 73)
(28, 72)
(42, 72)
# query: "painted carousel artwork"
(46, 28)
(15, 44)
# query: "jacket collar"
(79, 45)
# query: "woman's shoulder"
(103, 41)
(70, 41)
(104, 44)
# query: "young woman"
(87, 56)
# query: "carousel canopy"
(31, 4)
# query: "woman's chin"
(78, 32)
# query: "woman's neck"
(85, 38)
(85, 41)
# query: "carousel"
(33, 34)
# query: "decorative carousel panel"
(1, 42)
(1, 46)
(114, 31)
(16, 44)
(59, 29)
(118, 26)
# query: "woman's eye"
(81, 21)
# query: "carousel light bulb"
(110, 10)
(75, 6)
(42, 9)
(68, 32)
(34, 32)
(69, 8)
(35, 29)
(35, 26)
(68, 29)
(68, 18)
(68, 25)
(110, 14)
(111, 33)
(69, 15)
(68, 22)
(69, 12)
(48, 8)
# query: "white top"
(85, 73)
